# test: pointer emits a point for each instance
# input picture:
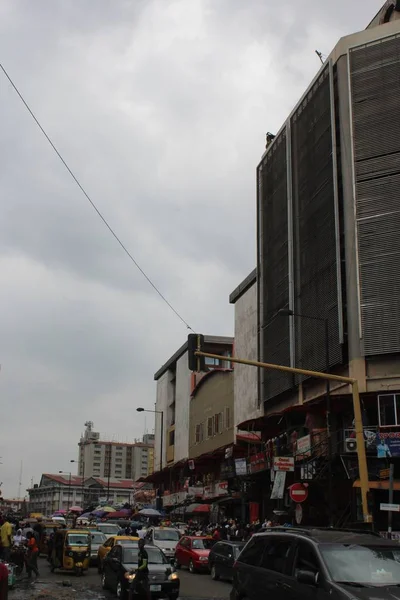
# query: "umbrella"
(76, 509)
(202, 508)
(120, 514)
(86, 516)
(59, 512)
(108, 509)
(149, 512)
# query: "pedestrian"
(3, 582)
(6, 539)
(142, 572)
(33, 553)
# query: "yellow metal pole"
(361, 455)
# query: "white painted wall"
(182, 406)
(245, 377)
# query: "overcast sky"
(161, 109)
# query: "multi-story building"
(100, 458)
(175, 384)
(56, 492)
(247, 405)
(329, 250)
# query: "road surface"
(49, 586)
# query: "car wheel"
(191, 567)
(214, 573)
(104, 582)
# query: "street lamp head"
(72, 461)
(140, 409)
(285, 312)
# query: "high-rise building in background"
(101, 458)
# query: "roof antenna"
(319, 54)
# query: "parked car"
(222, 558)
(193, 552)
(165, 538)
(284, 564)
(98, 539)
(105, 548)
(118, 574)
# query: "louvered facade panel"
(375, 102)
(315, 244)
(273, 265)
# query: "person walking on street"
(6, 539)
(33, 553)
(142, 573)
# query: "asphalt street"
(63, 586)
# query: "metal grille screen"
(314, 228)
(273, 265)
(375, 100)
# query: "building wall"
(125, 460)
(182, 406)
(211, 414)
(246, 404)
(163, 399)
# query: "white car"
(165, 538)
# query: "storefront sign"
(303, 447)
(258, 462)
(388, 444)
(278, 490)
(220, 489)
(241, 466)
(173, 499)
(283, 463)
(227, 470)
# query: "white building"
(100, 458)
(175, 384)
(246, 397)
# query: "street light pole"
(325, 321)
(159, 412)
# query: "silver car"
(165, 538)
(97, 540)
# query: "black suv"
(318, 564)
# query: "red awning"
(202, 508)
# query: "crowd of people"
(23, 545)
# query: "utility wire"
(111, 230)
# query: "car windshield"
(126, 542)
(78, 539)
(365, 565)
(110, 529)
(202, 544)
(156, 557)
(166, 535)
(237, 550)
(97, 537)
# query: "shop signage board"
(258, 462)
(283, 463)
(298, 492)
(303, 447)
(173, 499)
(278, 490)
(390, 507)
(196, 491)
(241, 466)
(384, 473)
(388, 444)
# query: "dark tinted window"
(253, 552)
(276, 554)
(221, 549)
(116, 552)
(306, 558)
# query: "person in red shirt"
(3, 582)
(33, 553)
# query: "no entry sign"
(298, 492)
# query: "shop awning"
(378, 485)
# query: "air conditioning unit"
(350, 445)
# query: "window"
(96, 464)
(218, 423)
(253, 552)
(171, 438)
(306, 559)
(276, 554)
(212, 362)
(210, 427)
(389, 409)
(199, 433)
(118, 460)
(227, 417)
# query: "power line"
(93, 205)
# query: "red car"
(192, 552)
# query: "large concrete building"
(329, 249)
(99, 458)
(175, 384)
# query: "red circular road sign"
(298, 492)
